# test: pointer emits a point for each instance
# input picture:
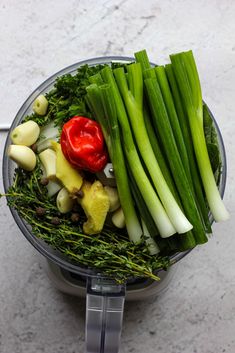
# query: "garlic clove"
(40, 105)
(114, 202)
(25, 134)
(48, 160)
(63, 201)
(23, 156)
(118, 218)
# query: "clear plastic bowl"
(9, 166)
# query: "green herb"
(109, 252)
(66, 99)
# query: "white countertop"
(38, 38)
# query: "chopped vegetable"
(40, 105)
(53, 187)
(48, 160)
(64, 202)
(25, 134)
(69, 177)
(118, 218)
(95, 204)
(83, 144)
(23, 156)
(114, 201)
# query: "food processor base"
(138, 289)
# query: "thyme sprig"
(110, 253)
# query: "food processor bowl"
(105, 298)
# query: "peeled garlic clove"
(48, 159)
(114, 201)
(118, 218)
(40, 105)
(63, 201)
(25, 134)
(23, 156)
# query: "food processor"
(104, 298)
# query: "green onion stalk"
(148, 193)
(133, 99)
(96, 96)
(187, 77)
(184, 124)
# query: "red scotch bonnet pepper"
(83, 145)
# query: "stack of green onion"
(153, 121)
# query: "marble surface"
(38, 38)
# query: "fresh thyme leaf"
(109, 252)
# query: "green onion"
(160, 157)
(189, 85)
(148, 193)
(184, 124)
(133, 99)
(152, 245)
(93, 100)
(162, 124)
(170, 107)
(186, 240)
(97, 78)
(96, 96)
(142, 58)
(141, 206)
